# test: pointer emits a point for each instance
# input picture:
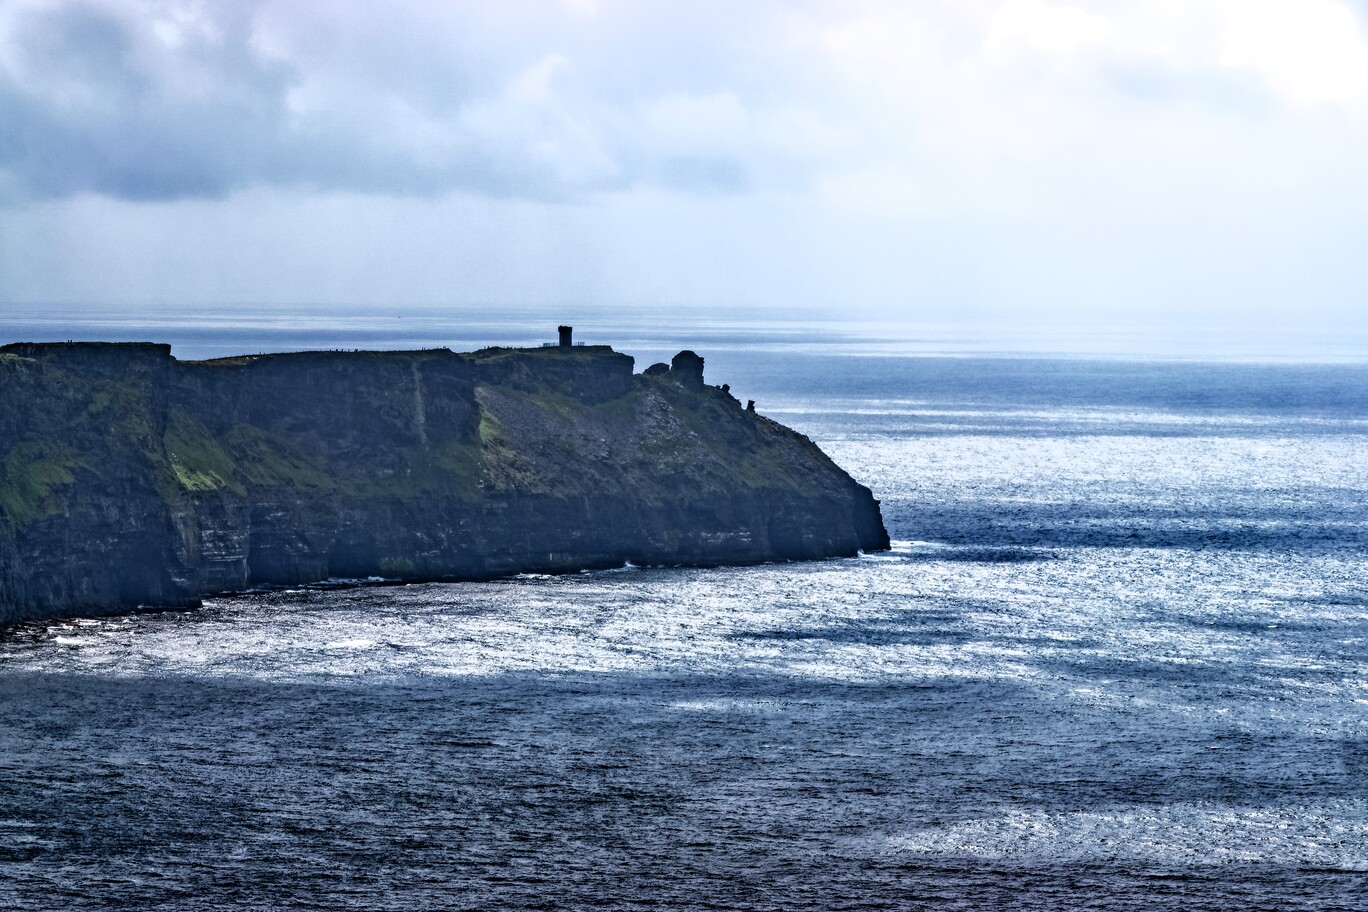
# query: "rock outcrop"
(129, 478)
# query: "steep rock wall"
(128, 478)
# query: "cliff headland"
(129, 478)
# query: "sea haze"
(1117, 659)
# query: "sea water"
(1116, 659)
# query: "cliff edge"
(129, 478)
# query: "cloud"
(1058, 155)
(1312, 53)
(165, 99)
(92, 104)
(169, 99)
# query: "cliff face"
(129, 478)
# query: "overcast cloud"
(149, 100)
(1126, 159)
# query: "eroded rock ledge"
(129, 478)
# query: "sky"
(1132, 161)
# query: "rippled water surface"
(1117, 659)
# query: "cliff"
(129, 478)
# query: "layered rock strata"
(128, 478)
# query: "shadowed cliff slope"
(130, 478)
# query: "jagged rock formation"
(130, 478)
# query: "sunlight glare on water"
(1116, 659)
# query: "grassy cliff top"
(326, 354)
(565, 353)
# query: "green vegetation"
(127, 477)
(268, 460)
(769, 468)
(504, 466)
(198, 461)
(490, 429)
(122, 408)
(620, 410)
(397, 566)
(554, 352)
(30, 478)
(462, 466)
(750, 448)
(234, 361)
(554, 404)
(397, 355)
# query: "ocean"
(1117, 659)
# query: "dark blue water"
(1118, 659)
